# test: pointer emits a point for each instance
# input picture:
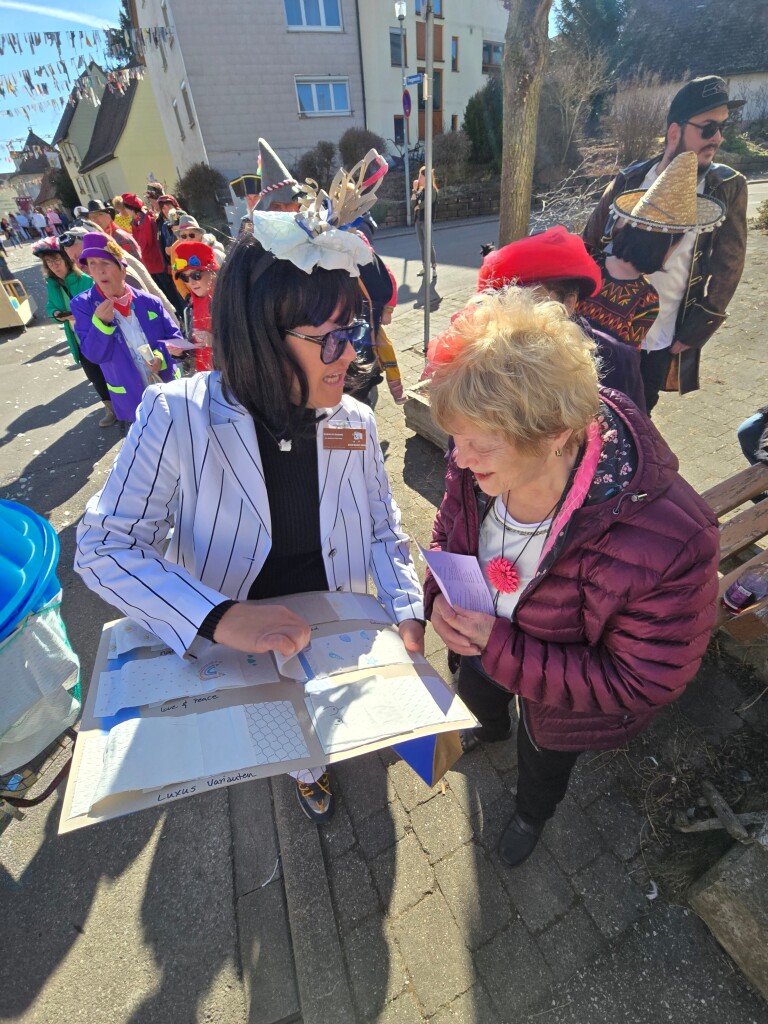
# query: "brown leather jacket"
(718, 256)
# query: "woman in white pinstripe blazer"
(238, 462)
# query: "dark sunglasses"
(710, 129)
(333, 343)
(66, 240)
(193, 275)
(192, 235)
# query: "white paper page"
(145, 753)
(126, 635)
(371, 709)
(346, 651)
(156, 680)
(89, 772)
(461, 580)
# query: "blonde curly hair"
(520, 367)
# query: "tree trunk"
(525, 54)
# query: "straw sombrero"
(672, 202)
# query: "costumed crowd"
(600, 560)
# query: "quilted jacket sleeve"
(648, 647)
(447, 516)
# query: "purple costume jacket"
(104, 344)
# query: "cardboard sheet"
(139, 753)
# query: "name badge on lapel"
(343, 438)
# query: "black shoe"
(518, 841)
(316, 799)
(471, 738)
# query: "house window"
(454, 122)
(182, 135)
(399, 130)
(396, 53)
(187, 104)
(421, 41)
(162, 53)
(103, 181)
(167, 21)
(491, 56)
(313, 14)
(323, 98)
(437, 7)
(454, 53)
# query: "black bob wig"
(257, 299)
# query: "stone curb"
(324, 994)
(264, 935)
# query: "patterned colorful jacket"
(104, 344)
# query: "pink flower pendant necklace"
(502, 574)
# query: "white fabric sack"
(38, 668)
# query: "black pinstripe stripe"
(123, 603)
(135, 451)
(232, 549)
(226, 458)
(215, 522)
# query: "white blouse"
(520, 543)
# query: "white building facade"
(468, 45)
(223, 75)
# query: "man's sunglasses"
(193, 275)
(710, 129)
(333, 343)
(66, 240)
(192, 235)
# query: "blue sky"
(20, 17)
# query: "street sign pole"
(428, 100)
(406, 133)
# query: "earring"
(558, 452)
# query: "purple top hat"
(95, 247)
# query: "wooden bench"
(737, 534)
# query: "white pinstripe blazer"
(192, 460)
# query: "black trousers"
(95, 375)
(542, 775)
(654, 367)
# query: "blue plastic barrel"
(29, 554)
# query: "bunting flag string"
(115, 40)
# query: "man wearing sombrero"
(701, 275)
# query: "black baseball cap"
(698, 96)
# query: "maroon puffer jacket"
(617, 622)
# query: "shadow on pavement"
(360, 846)
(59, 349)
(51, 898)
(423, 470)
(79, 396)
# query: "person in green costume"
(63, 281)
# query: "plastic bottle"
(748, 589)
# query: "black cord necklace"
(502, 574)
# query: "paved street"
(399, 911)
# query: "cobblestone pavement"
(421, 921)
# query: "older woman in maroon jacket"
(601, 561)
